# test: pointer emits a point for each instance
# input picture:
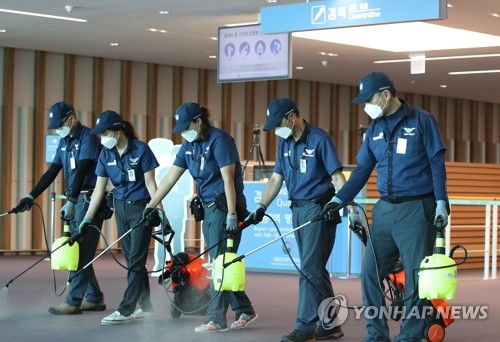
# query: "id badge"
(131, 175)
(303, 165)
(72, 163)
(401, 147)
(202, 163)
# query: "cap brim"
(99, 129)
(180, 126)
(272, 124)
(362, 97)
(53, 124)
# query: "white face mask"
(374, 111)
(109, 142)
(190, 135)
(284, 132)
(63, 131)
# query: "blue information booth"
(274, 258)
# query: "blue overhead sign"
(347, 13)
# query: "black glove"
(330, 212)
(24, 204)
(258, 213)
(150, 217)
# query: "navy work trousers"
(135, 247)
(85, 284)
(403, 230)
(315, 242)
(213, 232)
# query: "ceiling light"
(214, 38)
(443, 86)
(496, 15)
(42, 15)
(450, 5)
(164, 12)
(114, 44)
(299, 67)
(272, 1)
(440, 58)
(152, 29)
(473, 72)
(242, 24)
(332, 54)
(410, 37)
(3, 31)
(212, 56)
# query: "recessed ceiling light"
(332, 54)
(42, 15)
(214, 38)
(212, 56)
(164, 12)
(242, 24)
(3, 31)
(114, 44)
(156, 30)
(272, 1)
(440, 58)
(496, 15)
(299, 67)
(450, 5)
(410, 37)
(443, 86)
(473, 72)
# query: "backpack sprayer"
(228, 269)
(438, 272)
(236, 275)
(437, 283)
(65, 251)
(64, 254)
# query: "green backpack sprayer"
(438, 272)
(65, 252)
(228, 270)
(437, 283)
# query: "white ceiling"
(192, 23)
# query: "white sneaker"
(116, 318)
(142, 315)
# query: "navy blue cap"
(371, 84)
(186, 113)
(277, 110)
(107, 120)
(58, 112)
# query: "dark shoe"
(65, 309)
(298, 336)
(328, 334)
(89, 306)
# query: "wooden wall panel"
(148, 95)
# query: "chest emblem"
(379, 136)
(308, 153)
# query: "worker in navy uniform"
(76, 155)
(404, 144)
(129, 164)
(308, 162)
(211, 157)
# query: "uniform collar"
(406, 109)
(78, 132)
(304, 135)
